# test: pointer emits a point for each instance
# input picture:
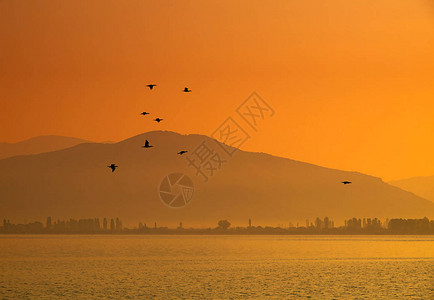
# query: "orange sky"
(352, 82)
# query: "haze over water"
(204, 267)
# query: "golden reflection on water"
(83, 266)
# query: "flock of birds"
(158, 120)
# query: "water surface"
(205, 267)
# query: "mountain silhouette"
(40, 144)
(75, 183)
(422, 186)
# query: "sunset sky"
(351, 82)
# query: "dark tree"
(223, 224)
(112, 225)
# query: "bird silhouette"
(144, 113)
(186, 90)
(147, 145)
(113, 167)
(182, 152)
(158, 120)
(346, 182)
(151, 86)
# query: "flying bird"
(346, 182)
(186, 90)
(182, 152)
(113, 167)
(151, 86)
(158, 120)
(144, 113)
(147, 145)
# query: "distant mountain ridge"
(39, 144)
(422, 186)
(76, 183)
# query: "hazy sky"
(352, 82)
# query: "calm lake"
(216, 267)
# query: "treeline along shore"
(325, 226)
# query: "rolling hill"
(36, 145)
(76, 183)
(422, 186)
